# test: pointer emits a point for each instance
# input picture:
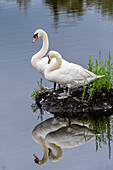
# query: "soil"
(72, 106)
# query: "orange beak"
(36, 159)
(35, 156)
(35, 38)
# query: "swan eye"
(36, 161)
(49, 60)
(49, 151)
(35, 37)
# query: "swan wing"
(68, 137)
(67, 74)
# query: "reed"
(100, 67)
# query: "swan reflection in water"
(58, 133)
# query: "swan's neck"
(45, 156)
(58, 150)
(43, 51)
(56, 65)
(40, 141)
(45, 46)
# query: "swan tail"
(99, 76)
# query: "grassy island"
(96, 96)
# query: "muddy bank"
(57, 103)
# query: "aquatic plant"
(36, 108)
(99, 86)
(36, 96)
(40, 84)
(100, 67)
(33, 95)
(41, 89)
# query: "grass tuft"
(40, 84)
(42, 89)
(101, 67)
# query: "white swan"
(68, 74)
(38, 61)
(67, 137)
(40, 141)
(41, 130)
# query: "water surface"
(76, 29)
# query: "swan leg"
(68, 93)
(59, 86)
(54, 86)
(66, 89)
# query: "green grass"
(35, 96)
(40, 85)
(100, 67)
(41, 89)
